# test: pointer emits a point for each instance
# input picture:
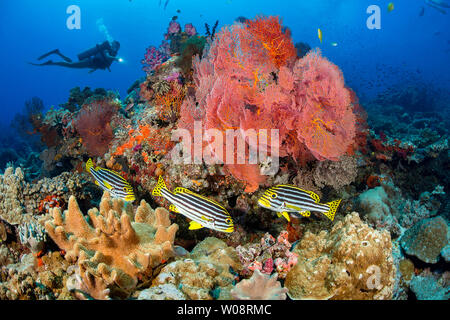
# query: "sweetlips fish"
(111, 181)
(287, 199)
(202, 211)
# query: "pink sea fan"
(239, 87)
(326, 124)
(93, 125)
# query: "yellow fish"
(390, 6)
(319, 34)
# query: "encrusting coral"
(205, 273)
(19, 200)
(119, 246)
(259, 287)
(352, 261)
(426, 239)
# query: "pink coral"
(152, 59)
(190, 29)
(93, 125)
(174, 27)
(246, 83)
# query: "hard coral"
(204, 274)
(352, 261)
(259, 287)
(115, 247)
(426, 239)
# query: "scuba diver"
(99, 57)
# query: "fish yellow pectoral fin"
(290, 206)
(174, 208)
(107, 185)
(286, 216)
(333, 208)
(194, 225)
(97, 183)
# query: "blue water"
(408, 45)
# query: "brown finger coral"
(352, 261)
(119, 246)
(259, 287)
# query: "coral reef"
(390, 164)
(205, 273)
(426, 287)
(426, 239)
(162, 292)
(259, 287)
(19, 199)
(267, 256)
(352, 261)
(120, 245)
(93, 125)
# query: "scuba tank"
(93, 51)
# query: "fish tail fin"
(160, 185)
(89, 165)
(333, 208)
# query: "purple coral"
(174, 27)
(152, 59)
(190, 29)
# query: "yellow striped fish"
(286, 199)
(202, 211)
(111, 181)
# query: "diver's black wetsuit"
(99, 57)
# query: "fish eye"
(274, 195)
(228, 220)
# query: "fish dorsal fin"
(305, 213)
(313, 195)
(174, 208)
(184, 190)
(194, 225)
